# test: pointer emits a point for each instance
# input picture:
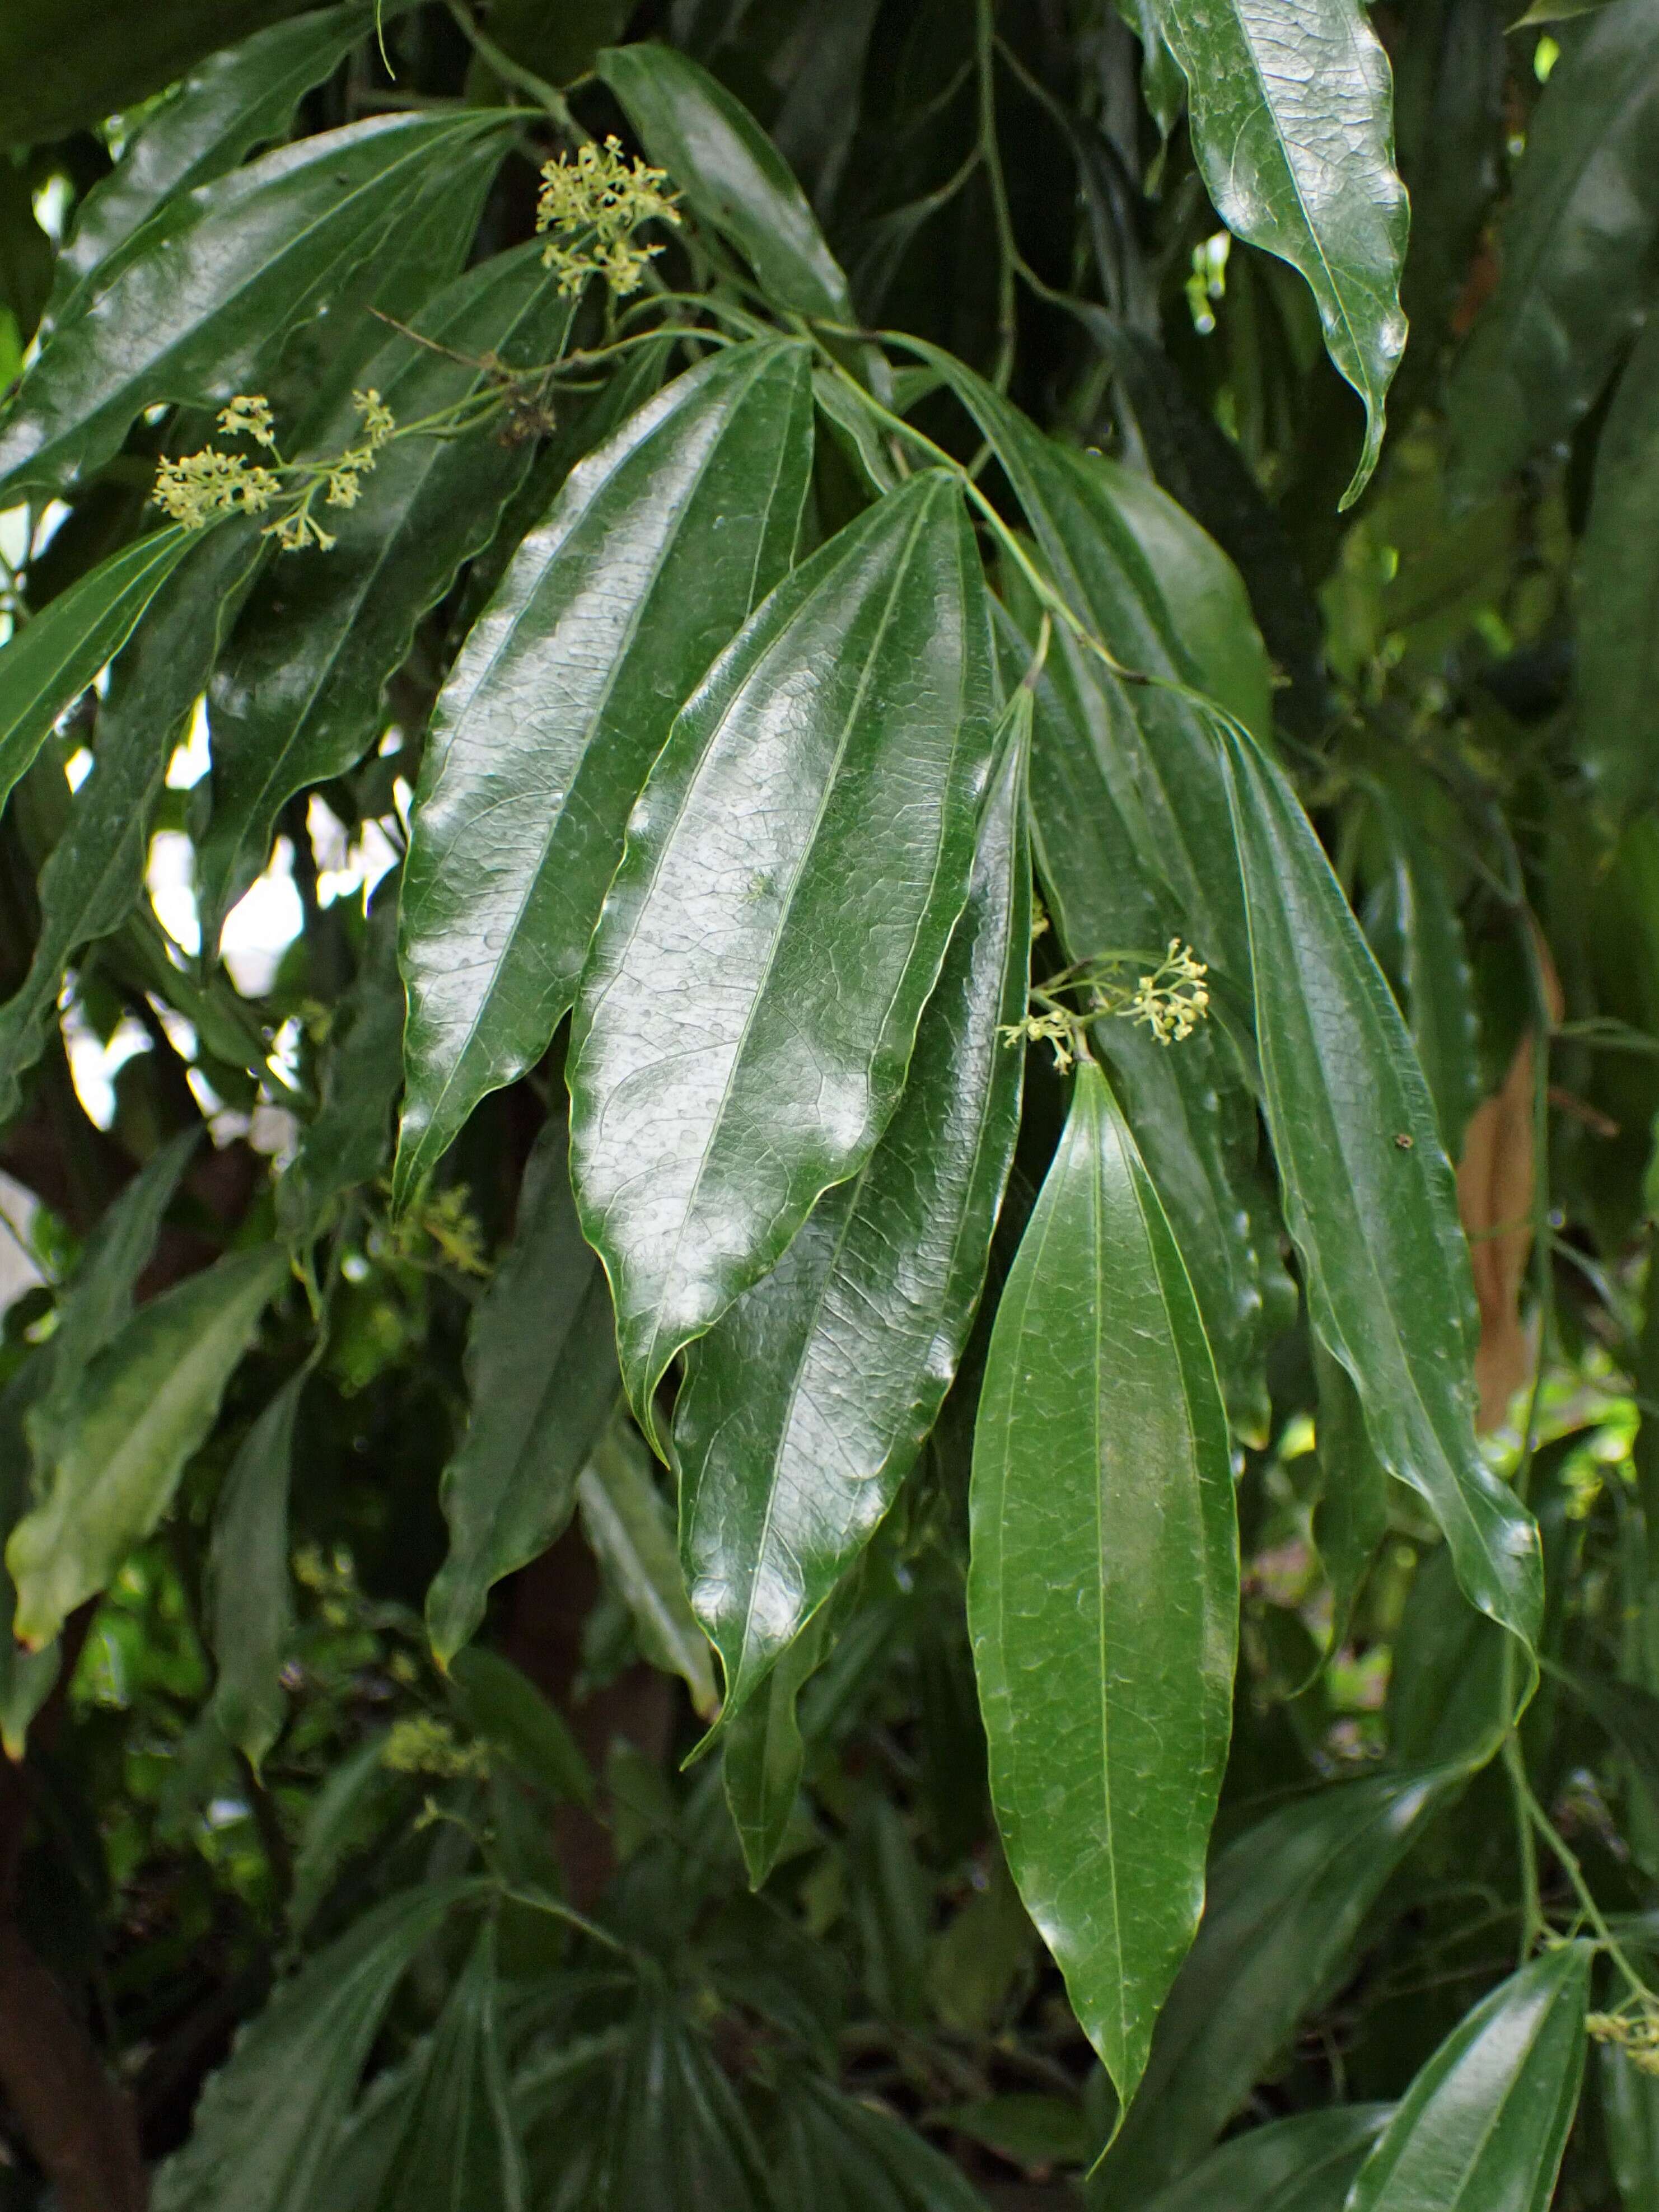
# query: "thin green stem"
(545, 95)
(991, 153)
(1532, 1911)
(1568, 1862)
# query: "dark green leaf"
(143, 1406)
(844, 2154)
(1485, 2123)
(1368, 1191)
(1617, 656)
(675, 2138)
(507, 1709)
(1448, 113)
(652, 556)
(766, 1756)
(26, 1678)
(558, 43)
(1026, 2130)
(542, 1379)
(1583, 218)
(348, 1814)
(1450, 1691)
(1304, 2164)
(1439, 988)
(1630, 2116)
(732, 174)
(1286, 1901)
(250, 1601)
(49, 663)
(1290, 104)
(807, 1403)
(627, 1526)
(459, 2151)
(26, 259)
(1352, 1517)
(196, 303)
(794, 868)
(1163, 87)
(1630, 1715)
(268, 2121)
(1103, 1594)
(297, 698)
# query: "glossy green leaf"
(1629, 1714)
(269, 2119)
(1291, 111)
(49, 663)
(1304, 2164)
(94, 876)
(1286, 1901)
(1103, 1596)
(1368, 1190)
(1584, 216)
(1450, 1689)
(627, 1526)
(196, 304)
(765, 1755)
(1352, 1517)
(250, 1599)
(732, 176)
(224, 108)
(1163, 87)
(507, 1710)
(144, 1406)
(806, 1404)
(1486, 2121)
(297, 698)
(794, 868)
(651, 557)
(1618, 665)
(459, 2151)
(543, 1378)
(1630, 2119)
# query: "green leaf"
(1103, 1594)
(1352, 1517)
(542, 1381)
(1286, 1901)
(268, 2121)
(651, 557)
(806, 1404)
(196, 303)
(458, 2152)
(1618, 658)
(1630, 1715)
(558, 43)
(1630, 2119)
(357, 1801)
(1439, 987)
(1582, 217)
(1027, 2130)
(627, 1526)
(1163, 87)
(1290, 112)
(842, 2154)
(675, 2138)
(793, 871)
(94, 876)
(507, 1709)
(1368, 1191)
(227, 106)
(1304, 2164)
(732, 176)
(249, 1598)
(766, 1755)
(1449, 1688)
(51, 661)
(26, 1678)
(1486, 2121)
(297, 698)
(146, 1404)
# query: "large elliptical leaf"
(653, 556)
(794, 868)
(196, 304)
(1368, 1191)
(1584, 217)
(805, 1405)
(297, 698)
(1102, 1590)
(1618, 660)
(1290, 104)
(1486, 2122)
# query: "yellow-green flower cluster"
(1174, 997)
(1636, 2033)
(424, 1745)
(594, 205)
(201, 488)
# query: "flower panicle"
(593, 205)
(1174, 998)
(201, 488)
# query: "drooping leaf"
(1630, 2116)
(250, 1599)
(732, 174)
(765, 1755)
(1368, 1192)
(1163, 87)
(794, 868)
(49, 663)
(1618, 662)
(268, 2121)
(627, 1527)
(296, 700)
(1486, 2121)
(542, 1379)
(1103, 1591)
(1352, 1517)
(1629, 1714)
(507, 1709)
(1291, 121)
(196, 304)
(1450, 1687)
(1448, 105)
(458, 2152)
(143, 1407)
(1286, 1901)
(1439, 987)
(675, 2138)
(806, 1404)
(1304, 2164)
(651, 557)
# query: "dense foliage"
(828, 1051)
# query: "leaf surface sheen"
(806, 1404)
(1102, 1593)
(652, 556)
(794, 868)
